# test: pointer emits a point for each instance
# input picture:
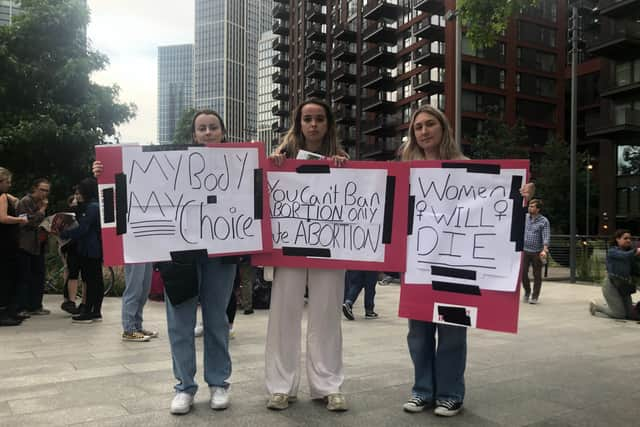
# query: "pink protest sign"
(160, 200)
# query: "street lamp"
(588, 201)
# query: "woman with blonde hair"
(314, 130)
(439, 365)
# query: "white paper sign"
(341, 211)
(462, 223)
(199, 198)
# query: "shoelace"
(448, 404)
(416, 401)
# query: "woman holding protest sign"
(313, 130)
(438, 369)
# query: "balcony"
(621, 85)
(280, 61)
(377, 9)
(344, 94)
(346, 136)
(434, 7)
(380, 80)
(621, 123)
(278, 127)
(280, 94)
(280, 77)
(321, 2)
(315, 70)
(380, 32)
(345, 73)
(382, 127)
(316, 33)
(379, 56)
(315, 88)
(315, 13)
(282, 1)
(423, 83)
(280, 44)
(430, 29)
(280, 11)
(317, 50)
(280, 109)
(424, 56)
(345, 115)
(345, 52)
(345, 32)
(616, 39)
(619, 8)
(378, 103)
(280, 27)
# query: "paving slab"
(563, 368)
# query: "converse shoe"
(336, 402)
(347, 310)
(82, 318)
(592, 307)
(219, 398)
(135, 336)
(181, 403)
(447, 408)
(415, 404)
(371, 315)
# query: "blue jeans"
(439, 372)
(137, 280)
(215, 283)
(354, 281)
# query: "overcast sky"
(129, 33)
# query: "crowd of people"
(438, 351)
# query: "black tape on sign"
(187, 257)
(457, 315)
(458, 273)
(388, 209)
(410, 210)
(310, 252)
(257, 194)
(212, 200)
(313, 169)
(108, 209)
(121, 203)
(166, 147)
(457, 288)
(474, 167)
(518, 217)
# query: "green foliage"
(183, 134)
(497, 140)
(51, 114)
(590, 263)
(485, 20)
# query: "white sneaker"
(198, 330)
(181, 403)
(219, 397)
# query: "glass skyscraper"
(175, 88)
(8, 9)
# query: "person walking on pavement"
(354, 282)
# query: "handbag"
(180, 280)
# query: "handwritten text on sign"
(200, 198)
(342, 211)
(463, 221)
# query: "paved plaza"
(564, 367)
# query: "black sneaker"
(82, 318)
(96, 317)
(248, 311)
(347, 310)
(415, 404)
(371, 315)
(70, 307)
(447, 408)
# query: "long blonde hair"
(4, 174)
(449, 150)
(294, 139)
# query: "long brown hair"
(294, 139)
(449, 150)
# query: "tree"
(497, 140)
(51, 114)
(183, 133)
(552, 185)
(485, 20)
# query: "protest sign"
(160, 200)
(464, 247)
(352, 217)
